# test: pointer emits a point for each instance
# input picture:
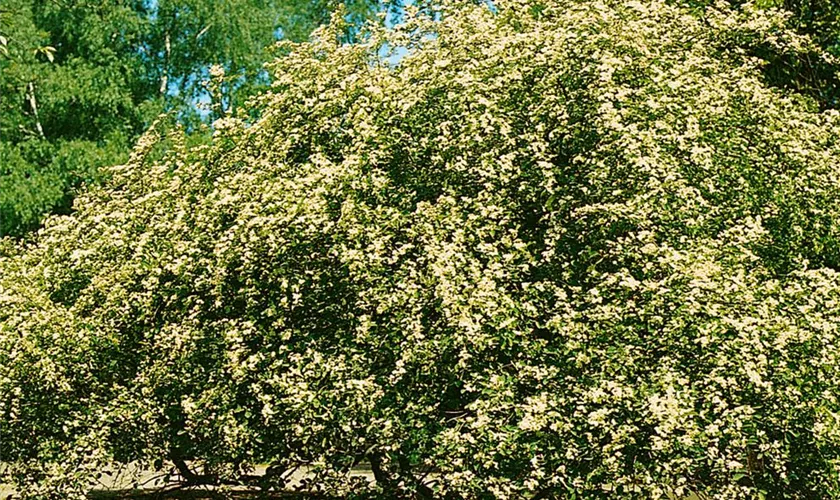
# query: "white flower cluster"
(571, 249)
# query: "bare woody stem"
(33, 104)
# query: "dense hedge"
(577, 250)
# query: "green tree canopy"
(579, 248)
(81, 79)
(73, 99)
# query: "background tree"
(80, 79)
(73, 99)
(190, 36)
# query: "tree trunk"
(164, 77)
(33, 104)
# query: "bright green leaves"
(47, 51)
(68, 109)
(94, 74)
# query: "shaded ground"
(119, 487)
(194, 495)
(131, 483)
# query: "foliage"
(808, 72)
(188, 37)
(579, 249)
(86, 77)
(72, 102)
(820, 19)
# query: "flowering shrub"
(567, 250)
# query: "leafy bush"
(571, 250)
